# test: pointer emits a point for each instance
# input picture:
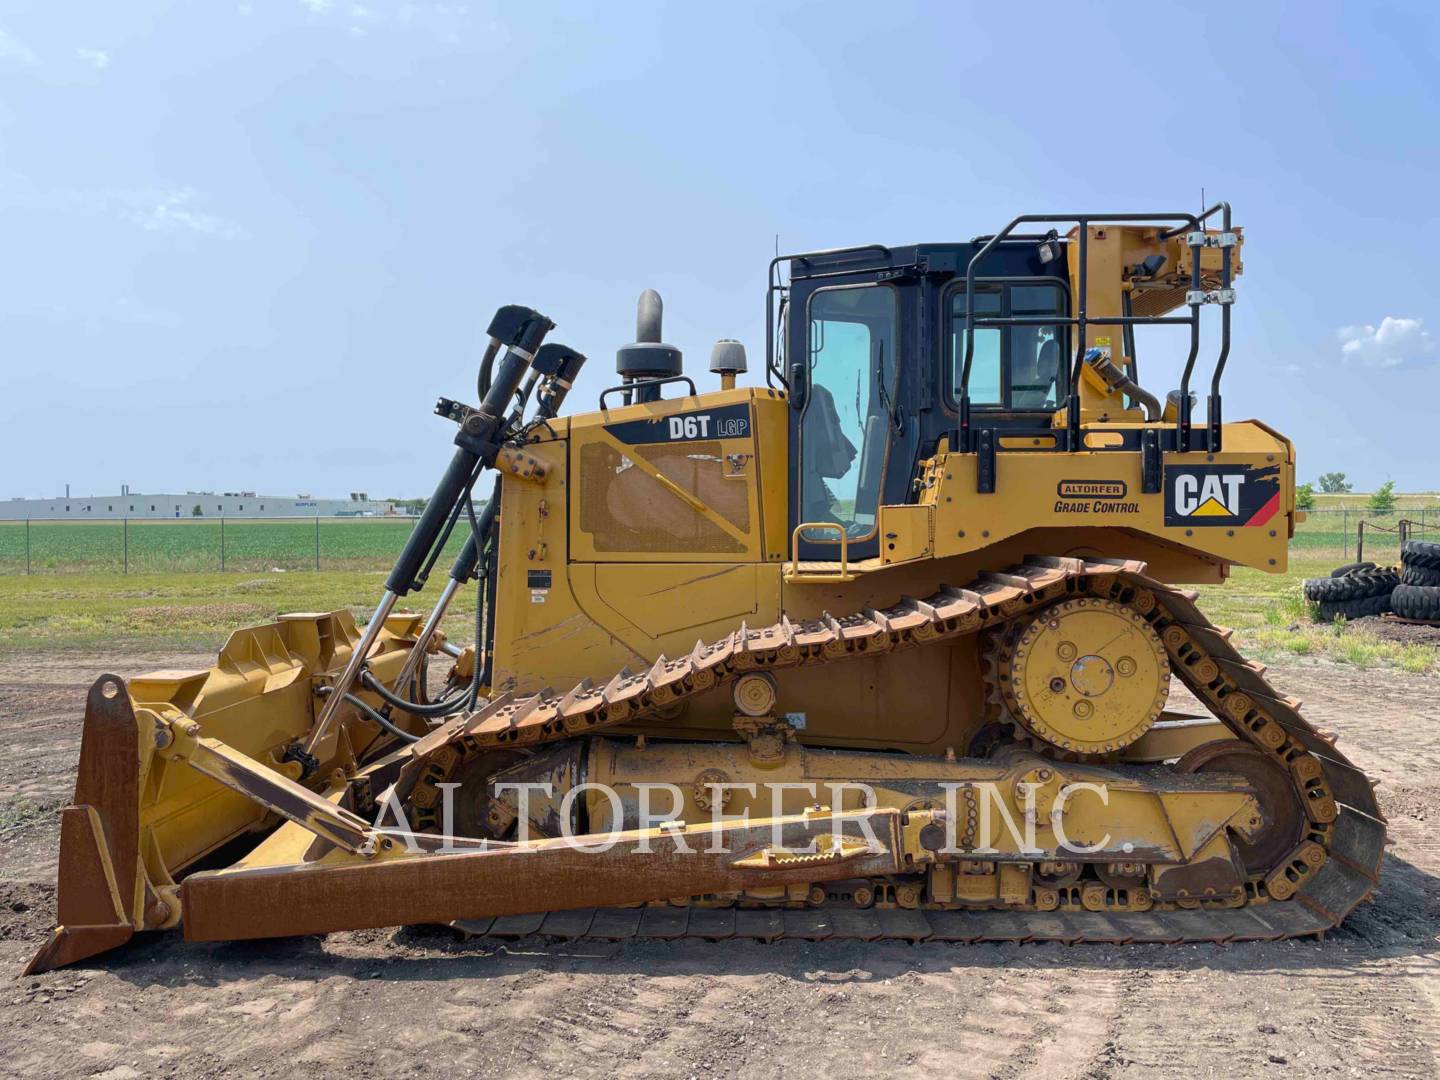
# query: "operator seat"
(825, 451)
(1031, 384)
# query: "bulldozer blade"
(98, 902)
(536, 877)
(143, 814)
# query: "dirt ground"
(1363, 1002)
(1403, 631)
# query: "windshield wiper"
(897, 416)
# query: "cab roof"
(1018, 257)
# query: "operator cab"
(873, 342)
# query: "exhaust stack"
(648, 358)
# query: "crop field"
(40, 547)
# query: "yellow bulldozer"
(881, 648)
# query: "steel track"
(1307, 896)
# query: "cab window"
(1015, 368)
(845, 424)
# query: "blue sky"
(246, 244)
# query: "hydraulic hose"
(372, 715)
(468, 561)
(560, 365)
(476, 444)
(553, 369)
(520, 331)
(420, 682)
(482, 596)
(444, 707)
(466, 565)
(381, 719)
(487, 368)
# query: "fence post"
(317, 541)
(1345, 532)
(222, 542)
(27, 547)
(125, 533)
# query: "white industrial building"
(190, 505)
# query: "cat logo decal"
(1229, 495)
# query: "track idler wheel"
(1089, 676)
(1280, 807)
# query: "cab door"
(853, 441)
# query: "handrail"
(1212, 406)
(774, 286)
(1080, 319)
(833, 526)
(1212, 403)
(638, 384)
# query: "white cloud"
(156, 209)
(98, 58)
(362, 18)
(13, 49)
(1394, 342)
(172, 210)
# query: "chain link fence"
(244, 544)
(1334, 533)
(266, 544)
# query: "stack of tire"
(1417, 596)
(1353, 591)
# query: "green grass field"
(79, 594)
(104, 612)
(171, 546)
(66, 547)
(1331, 532)
(1272, 621)
(1357, 500)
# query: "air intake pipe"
(727, 359)
(1115, 379)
